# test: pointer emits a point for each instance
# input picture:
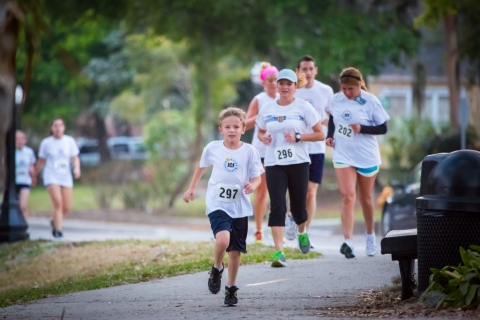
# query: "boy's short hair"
(232, 111)
(305, 58)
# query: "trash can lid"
(449, 203)
(458, 174)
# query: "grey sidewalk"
(267, 293)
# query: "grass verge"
(32, 270)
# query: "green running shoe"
(279, 260)
(304, 242)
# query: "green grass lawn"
(43, 268)
(84, 200)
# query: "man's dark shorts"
(238, 228)
(316, 167)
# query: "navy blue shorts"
(238, 228)
(316, 167)
(19, 187)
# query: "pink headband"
(267, 71)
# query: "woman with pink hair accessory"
(268, 75)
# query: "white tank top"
(262, 99)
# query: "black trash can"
(448, 210)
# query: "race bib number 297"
(227, 192)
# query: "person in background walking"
(356, 117)
(318, 95)
(24, 170)
(268, 76)
(235, 175)
(284, 127)
(57, 153)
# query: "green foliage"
(435, 10)
(460, 284)
(411, 140)
(406, 139)
(169, 138)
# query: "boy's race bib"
(227, 192)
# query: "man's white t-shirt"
(231, 170)
(262, 99)
(356, 149)
(318, 96)
(58, 154)
(24, 158)
(298, 117)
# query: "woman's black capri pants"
(293, 178)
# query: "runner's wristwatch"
(298, 136)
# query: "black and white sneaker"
(347, 251)
(215, 280)
(231, 295)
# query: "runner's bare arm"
(252, 113)
(76, 167)
(189, 195)
(252, 184)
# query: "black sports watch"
(298, 136)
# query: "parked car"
(399, 208)
(89, 153)
(127, 148)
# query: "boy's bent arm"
(251, 185)
(189, 195)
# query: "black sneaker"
(215, 280)
(347, 251)
(57, 233)
(231, 295)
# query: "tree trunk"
(452, 69)
(101, 135)
(418, 87)
(473, 95)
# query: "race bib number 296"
(285, 154)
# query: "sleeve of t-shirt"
(256, 169)
(42, 151)
(328, 107)
(205, 160)
(379, 115)
(261, 122)
(330, 95)
(311, 115)
(74, 148)
(33, 159)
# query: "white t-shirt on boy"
(24, 158)
(231, 170)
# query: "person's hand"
(248, 188)
(266, 139)
(330, 142)
(77, 173)
(289, 136)
(189, 195)
(356, 127)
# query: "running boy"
(236, 174)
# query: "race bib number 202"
(344, 131)
(227, 192)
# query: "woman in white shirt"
(24, 170)
(56, 154)
(356, 117)
(284, 127)
(268, 76)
